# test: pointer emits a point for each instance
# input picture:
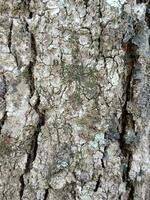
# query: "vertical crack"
(3, 91)
(22, 186)
(73, 191)
(97, 183)
(147, 14)
(2, 121)
(46, 194)
(104, 156)
(86, 3)
(131, 58)
(34, 146)
(34, 142)
(30, 68)
(27, 4)
(41, 115)
(10, 35)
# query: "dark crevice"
(22, 186)
(147, 15)
(10, 36)
(30, 78)
(100, 12)
(141, 1)
(46, 194)
(33, 49)
(132, 190)
(27, 27)
(2, 94)
(102, 162)
(104, 157)
(86, 3)
(27, 5)
(30, 15)
(41, 120)
(2, 121)
(30, 67)
(99, 45)
(34, 142)
(131, 58)
(97, 183)
(73, 191)
(10, 43)
(41, 114)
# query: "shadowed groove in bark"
(10, 35)
(2, 121)
(22, 186)
(41, 119)
(73, 190)
(27, 6)
(104, 155)
(3, 93)
(97, 183)
(10, 43)
(147, 15)
(86, 3)
(46, 194)
(131, 58)
(30, 67)
(34, 141)
(141, 1)
(34, 146)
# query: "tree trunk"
(75, 100)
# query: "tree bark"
(75, 100)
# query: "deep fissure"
(41, 120)
(34, 141)
(97, 183)
(22, 186)
(46, 194)
(10, 36)
(131, 58)
(3, 119)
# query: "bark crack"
(131, 58)
(22, 186)
(147, 15)
(98, 183)
(4, 91)
(41, 114)
(34, 141)
(2, 121)
(46, 194)
(41, 119)
(10, 36)
(73, 190)
(86, 3)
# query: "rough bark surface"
(74, 99)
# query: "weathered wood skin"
(74, 99)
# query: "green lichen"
(86, 79)
(98, 140)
